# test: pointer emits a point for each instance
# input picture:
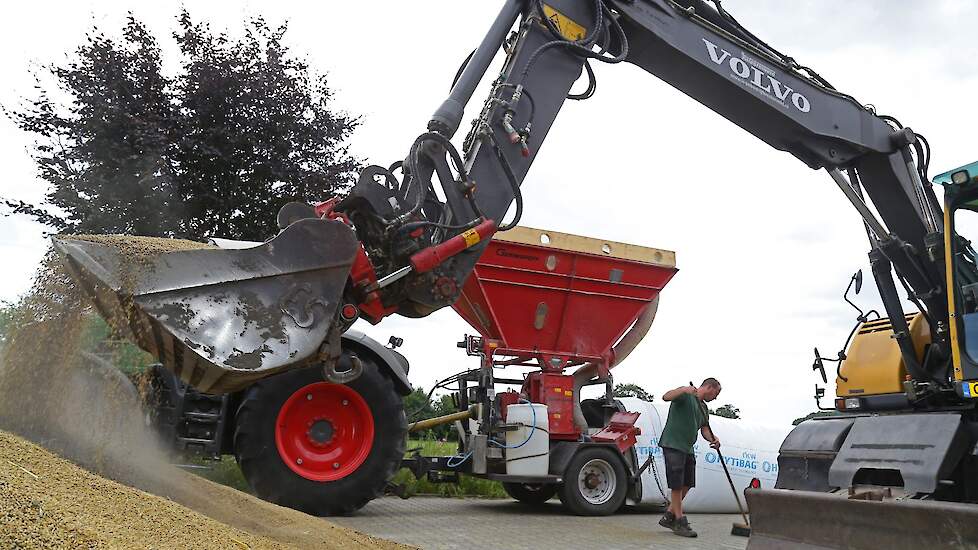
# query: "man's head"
(709, 390)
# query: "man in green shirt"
(687, 415)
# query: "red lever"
(427, 259)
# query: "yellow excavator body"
(873, 364)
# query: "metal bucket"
(221, 319)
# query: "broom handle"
(732, 488)
(723, 462)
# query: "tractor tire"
(595, 482)
(324, 449)
(533, 494)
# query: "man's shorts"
(680, 468)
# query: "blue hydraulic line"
(528, 437)
(460, 462)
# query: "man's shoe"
(681, 528)
(667, 520)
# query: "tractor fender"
(388, 359)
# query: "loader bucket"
(219, 319)
(785, 519)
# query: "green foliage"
(224, 471)
(126, 356)
(418, 407)
(429, 446)
(467, 486)
(632, 390)
(726, 411)
(216, 149)
(96, 338)
(815, 414)
(227, 472)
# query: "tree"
(726, 411)
(444, 405)
(631, 390)
(418, 407)
(214, 150)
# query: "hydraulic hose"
(414, 168)
(583, 46)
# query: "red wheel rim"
(324, 431)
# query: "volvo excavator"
(896, 461)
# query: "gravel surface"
(435, 523)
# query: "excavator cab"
(872, 374)
(961, 201)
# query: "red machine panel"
(541, 291)
(621, 430)
(556, 391)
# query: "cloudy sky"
(765, 246)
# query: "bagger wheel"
(595, 482)
(530, 493)
(321, 448)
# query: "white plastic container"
(531, 458)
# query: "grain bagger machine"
(553, 303)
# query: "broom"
(738, 529)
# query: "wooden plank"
(587, 245)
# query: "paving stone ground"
(435, 523)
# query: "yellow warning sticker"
(557, 390)
(471, 237)
(568, 28)
(568, 393)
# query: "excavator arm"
(408, 235)
(702, 51)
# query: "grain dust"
(112, 485)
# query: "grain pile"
(48, 502)
(56, 394)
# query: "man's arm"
(672, 394)
(708, 435)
